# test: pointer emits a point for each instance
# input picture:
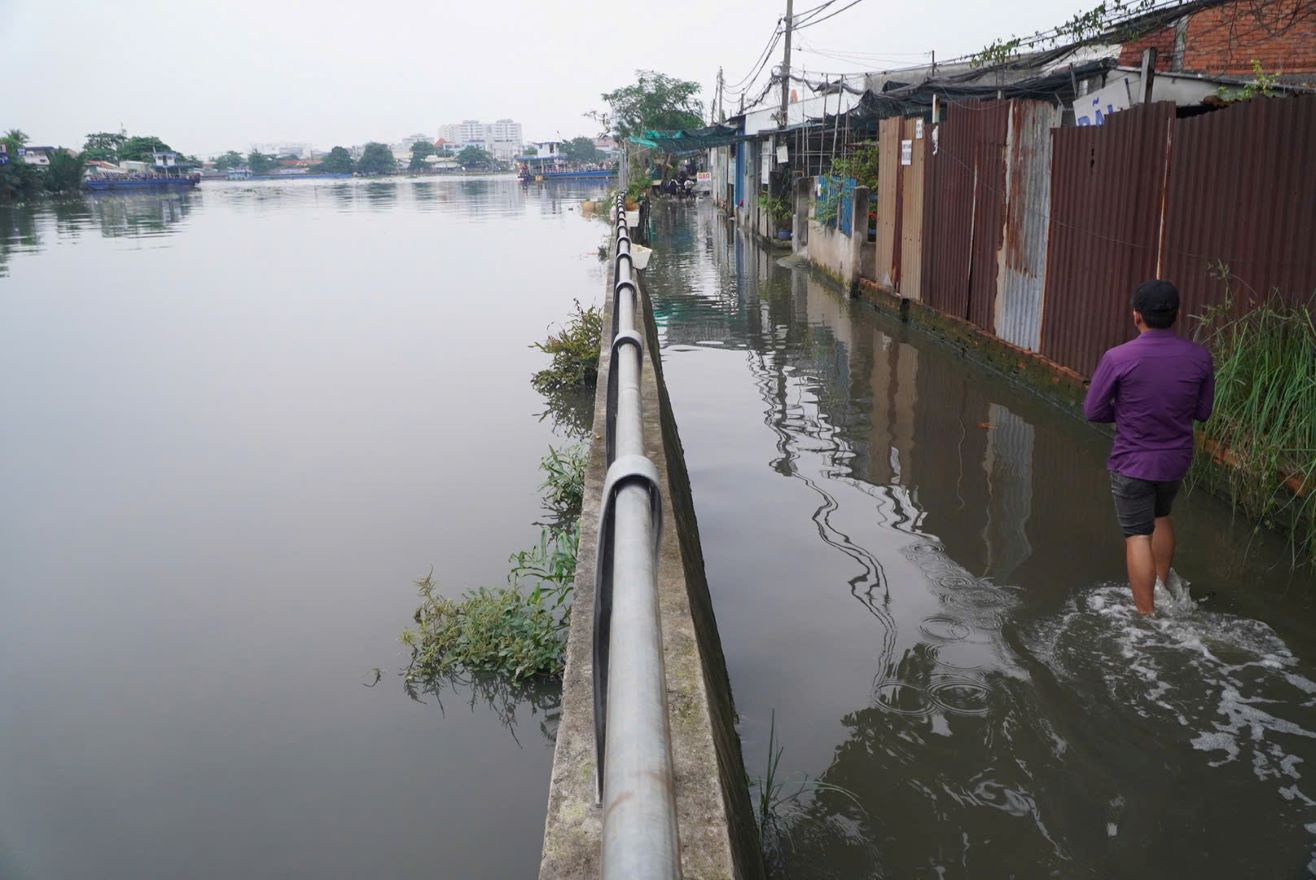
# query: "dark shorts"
(1139, 502)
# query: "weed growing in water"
(517, 632)
(564, 480)
(574, 350)
(777, 799)
(1264, 424)
(487, 630)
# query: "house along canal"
(235, 425)
(916, 570)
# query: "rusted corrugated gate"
(1021, 264)
(1106, 200)
(966, 179)
(989, 199)
(887, 272)
(1243, 192)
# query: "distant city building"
(501, 139)
(284, 148)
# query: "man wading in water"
(1152, 388)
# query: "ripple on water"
(902, 698)
(960, 697)
(946, 628)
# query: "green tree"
(103, 145)
(532, 150)
(420, 150)
(581, 149)
(17, 135)
(654, 101)
(377, 158)
(476, 158)
(260, 163)
(19, 180)
(139, 149)
(231, 159)
(339, 161)
(64, 174)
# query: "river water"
(237, 425)
(918, 582)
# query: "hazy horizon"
(209, 77)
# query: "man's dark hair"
(1158, 302)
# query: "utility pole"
(719, 107)
(786, 62)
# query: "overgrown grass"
(517, 632)
(574, 353)
(1264, 425)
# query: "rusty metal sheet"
(988, 218)
(911, 214)
(888, 203)
(1021, 261)
(1107, 189)
(965, 211)
(1242, 191)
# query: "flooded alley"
(919, 585)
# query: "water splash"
(1229, 684)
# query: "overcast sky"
(207, 75)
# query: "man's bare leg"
(1142, 570)
(1163, 548)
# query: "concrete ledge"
(718, 835)
(1058, 384)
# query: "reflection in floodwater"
(1002, 712)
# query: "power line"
(814, 21)
(802, 18)
(747, 82)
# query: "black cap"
(1156, 297)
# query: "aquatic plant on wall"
(516, 632)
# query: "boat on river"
(148, 182)
(526, 175)
(163, 172)
(547, 162)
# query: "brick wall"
(1162, 41)
(1281, 34)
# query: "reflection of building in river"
(140, 215)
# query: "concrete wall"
(842, 257)
(718, 834)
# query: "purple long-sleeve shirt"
(1152, 388)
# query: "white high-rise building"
(501, 139)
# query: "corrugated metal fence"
(1039, 234)
(1106, 205)
(1242, 191)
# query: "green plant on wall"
(778, 209)
(861, 166)
(1262, 85)
(827, 209)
